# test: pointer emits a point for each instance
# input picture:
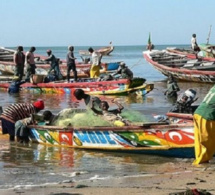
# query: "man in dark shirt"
(54, 65)
(19, 60)
(70, 60)
(124, 72)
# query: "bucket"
(35, 78)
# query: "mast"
(209, 34)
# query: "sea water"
(36, 164)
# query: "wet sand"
(158, 184)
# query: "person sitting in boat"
(172, 89)
(124, 72)
(22, 131)
(54, 64)
(96, 62)
(183, 105)
(88, 100)
(111, 115)
(15, 85)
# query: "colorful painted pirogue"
(180, 67)
(119, 86)
(175, 140)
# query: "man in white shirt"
(194, 45)
(96, 60)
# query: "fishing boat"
(175, 140)
(7, 66)
(90, 86)
(181, 67)
(104, 51)
(207, 52)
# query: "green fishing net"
(79, 118)
(133, 116)
(87, 118)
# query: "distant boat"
(104, 51)
(181, 67)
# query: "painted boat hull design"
(118, 87)
(181, 73)
(169, 140)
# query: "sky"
(97, 22)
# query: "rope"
(136, 64)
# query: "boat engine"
(184, 102)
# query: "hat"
(49, 51)
(39, 104)
(122, 64)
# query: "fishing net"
(80, 118)
(133, 116)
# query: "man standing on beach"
(30, 63)
(204, 128)
(70, 60)
(19, 60)
(96, 61)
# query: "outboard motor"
(184, 102)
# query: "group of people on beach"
(27, 60)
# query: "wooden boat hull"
(179, 118)
(8, 68)
(169, 140)
(181, 73)
(190, 54)
(115, 87)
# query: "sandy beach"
(170, 179)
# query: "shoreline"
(163, 183)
